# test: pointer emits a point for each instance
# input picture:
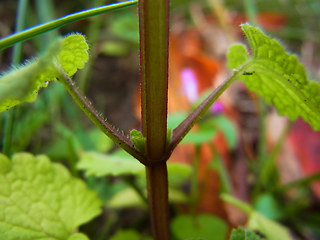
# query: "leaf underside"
(40, 200)
(277, 76)
(22, 84)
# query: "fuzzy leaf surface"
(23, 83)
(39, 200)
(237, 55)
(278, 77)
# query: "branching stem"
(98, 120)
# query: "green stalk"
(39, 29)
(300, 182)
(92, 37)
(45, 13)
(154, 41)
(16, 58)
(98, 120)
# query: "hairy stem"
(157, 187)
(98, 120)
(181, 131)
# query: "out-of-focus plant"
(32, 185)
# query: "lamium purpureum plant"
(40, 200)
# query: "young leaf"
(22, 84)
(243, 234)
(138, 140)
(278, 77)
(40, 200)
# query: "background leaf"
(243, 234)
(99, 164)
(40, 200)
(202, 226)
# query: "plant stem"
(181, 131)
(16, 58)
(154, 38)
(34, 31)
(154, 43)
(157, 187)
(45, 13)
(92, 37)
(300, 182)
(98, 120)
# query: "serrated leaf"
(243, 234)
(280, 78)
(204, 226)
(237, 55)
(39, 200)
(73, 54)
(22, 84)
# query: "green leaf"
(278, 77)
(22, 84)
(138, 140)
(40, 200)
(271, 229)
(204, 133)
(204, 226)
(78, 236)
(125, 235)
(257, 222)
(237, 55)
(99, 164)
(268, 206)
(73, 54)
(243, 234)
(126, 198)
(128, 234)
(229, 130)
(174, 119)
